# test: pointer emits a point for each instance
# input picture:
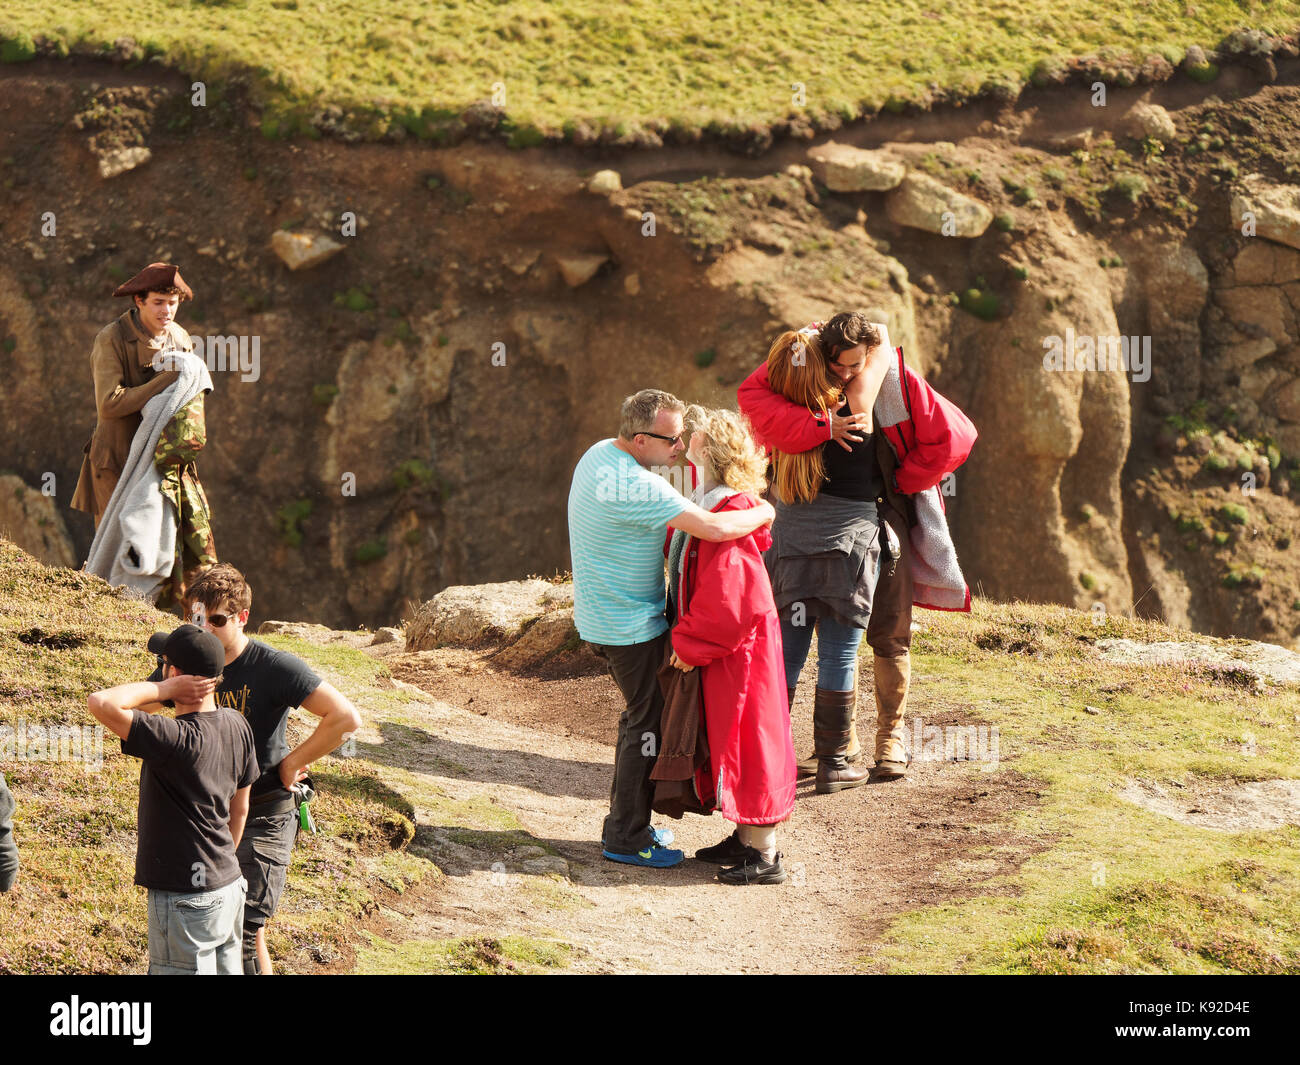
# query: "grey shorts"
(264, 852)
(197, 933)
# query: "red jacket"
(727, 625)
(928, 438)
(933, 441)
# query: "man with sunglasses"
(264, 685)
(619, 509)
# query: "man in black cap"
(194, 787)
(126, 375)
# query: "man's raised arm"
(728, 525)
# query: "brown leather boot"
(832, 730)
(893, 677)
(808, 767)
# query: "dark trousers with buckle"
(635, 669)
(889, 633)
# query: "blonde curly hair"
(728, 448)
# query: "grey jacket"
(8, 849)
(826, 555)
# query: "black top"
(264, 684)
(853, 474)
(193, 765)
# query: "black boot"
(832, 734)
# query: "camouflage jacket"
(175, 456)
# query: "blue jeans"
(197, 933)
(837, 652)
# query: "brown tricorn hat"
(153, 278)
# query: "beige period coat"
(125, 381)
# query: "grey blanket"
(135, 544)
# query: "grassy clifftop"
(64, 634)
(670, 65)
(1163, 835)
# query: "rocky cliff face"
(420, 396)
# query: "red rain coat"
(727, 624)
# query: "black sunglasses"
(668, 439)
(218, 621)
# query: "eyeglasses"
(667, 439)
(217, 621)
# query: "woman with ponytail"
(827, 547)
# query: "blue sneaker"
(660, 837)
(654, 857)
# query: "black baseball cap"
(191, 650)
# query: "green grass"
(64, 634)
(76, 908)
(1112, 887)
(713, 66)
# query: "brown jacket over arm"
(125, 380)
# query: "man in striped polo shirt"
(619, 511)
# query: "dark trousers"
(889, 633)
(635, 670)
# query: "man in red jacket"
(919, 438)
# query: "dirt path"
(542, 750)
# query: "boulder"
(469, 614)
(302, 251)
(120, 160)
(547, 635)
(33, 522)
(1149, 120)
(1266, 661)
(1275, 208)
(579, 269)
(922, 202)
(605, 183)
(387, 634)
(843, 168)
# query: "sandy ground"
(542, 747)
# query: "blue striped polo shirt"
(618, 511)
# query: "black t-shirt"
(192, 766)
(853, 474)
(264, 684)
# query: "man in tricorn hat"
(126, 379)
(128, 363)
